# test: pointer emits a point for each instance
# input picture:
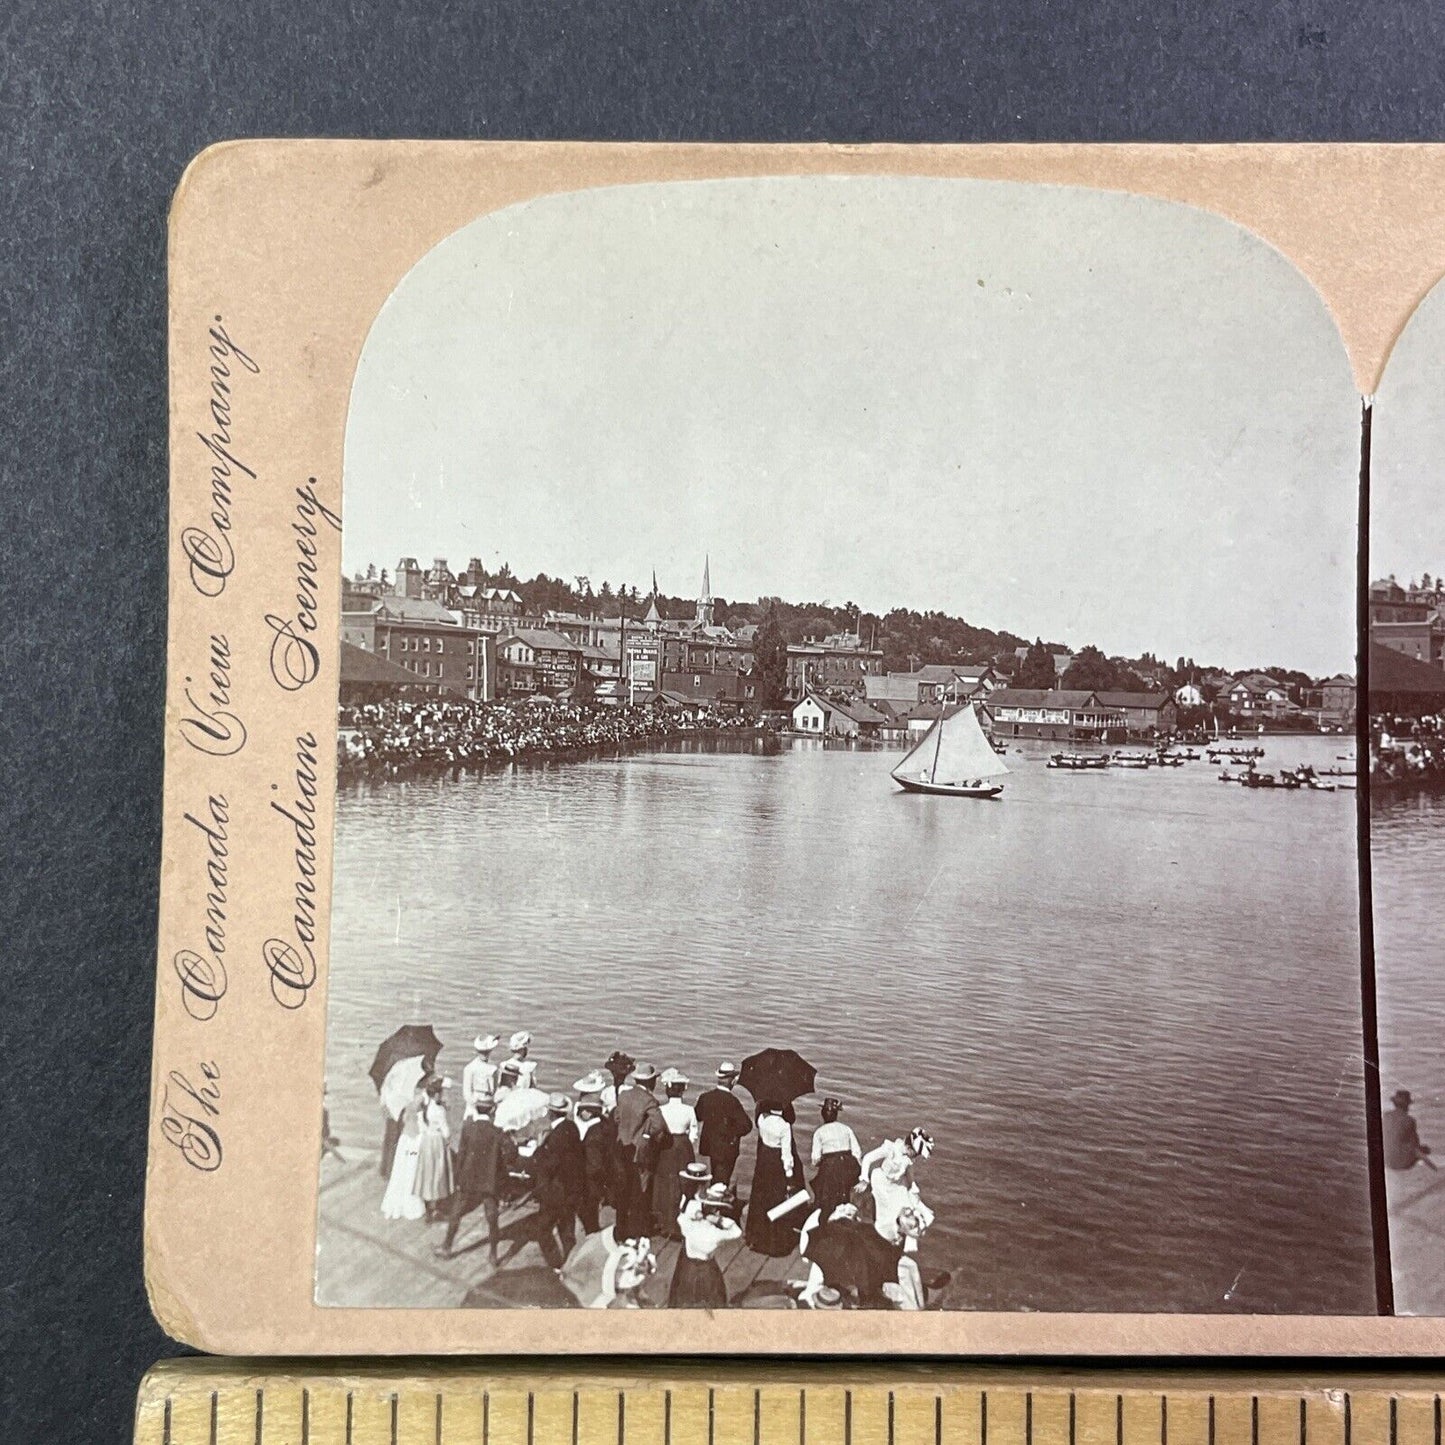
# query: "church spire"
(704, 601)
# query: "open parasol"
(411, 1041)
(520, 1109)
(400, 1064)
(777, 1076)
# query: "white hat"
(593, 1083)
(484, 1043)
(673, 1076)
(519, 1040)
(726, 1070)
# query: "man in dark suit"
(1403, 1149)
(486, 1158)
(599, 1157)
(641, 1133)
(725, 1124)
(559, 1183)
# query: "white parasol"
(520, 1109)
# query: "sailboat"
(953, 759)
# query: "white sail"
(954, 750)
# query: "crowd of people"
(625, 1142)
(1407, 749)
(430, 733)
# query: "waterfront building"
(839, 662)
(1256, 695)
(368, 678)
(1071, 713)
(428, 641)
(698, 660)
(959, 682)
(1401, 685)
(1061, 713)
(1144, 714)
(1338, 701)
(491, 609)
(822, 717)
(1390, 602)
(1422, 639)
(535, 660)
(1189, 694)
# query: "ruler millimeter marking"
(662, 1402)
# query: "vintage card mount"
(824, 511)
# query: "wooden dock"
(366, 1261)
(1416, 1200)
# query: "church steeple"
(704, 601)
(654, 612)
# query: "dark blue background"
(101, 105)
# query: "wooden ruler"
(230, 1402)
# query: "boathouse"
(1140, 714)
(1059, 713)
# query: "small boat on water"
(1259, 780)
(1133, 760)
(1079, 762)
(1169, 760)
(953, 759)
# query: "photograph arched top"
(1082, 414)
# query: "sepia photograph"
(1406, 619)
(846, 781)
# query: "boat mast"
(938, 741)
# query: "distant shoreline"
(349, 770)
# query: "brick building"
(427, 641)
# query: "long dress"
(776, 1176)
(434, 1158)
(401, 1200)
(836, 1155)
(676, 1154)
(697, 1282)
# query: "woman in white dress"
(401, 1201)
(706, 1223)
(434, 1182)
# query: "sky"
(1072, 414)
(1407, 450)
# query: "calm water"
(1407, 846)
(1125, 1004)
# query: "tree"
(770, 659)
(1037, 668)
(1091, 671)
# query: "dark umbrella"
(853, 1256)
(411, 1041)
(777, 1076)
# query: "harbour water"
(1126, 1004)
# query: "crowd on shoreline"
(663, 1169)
(1407, 749)
(407, 736)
